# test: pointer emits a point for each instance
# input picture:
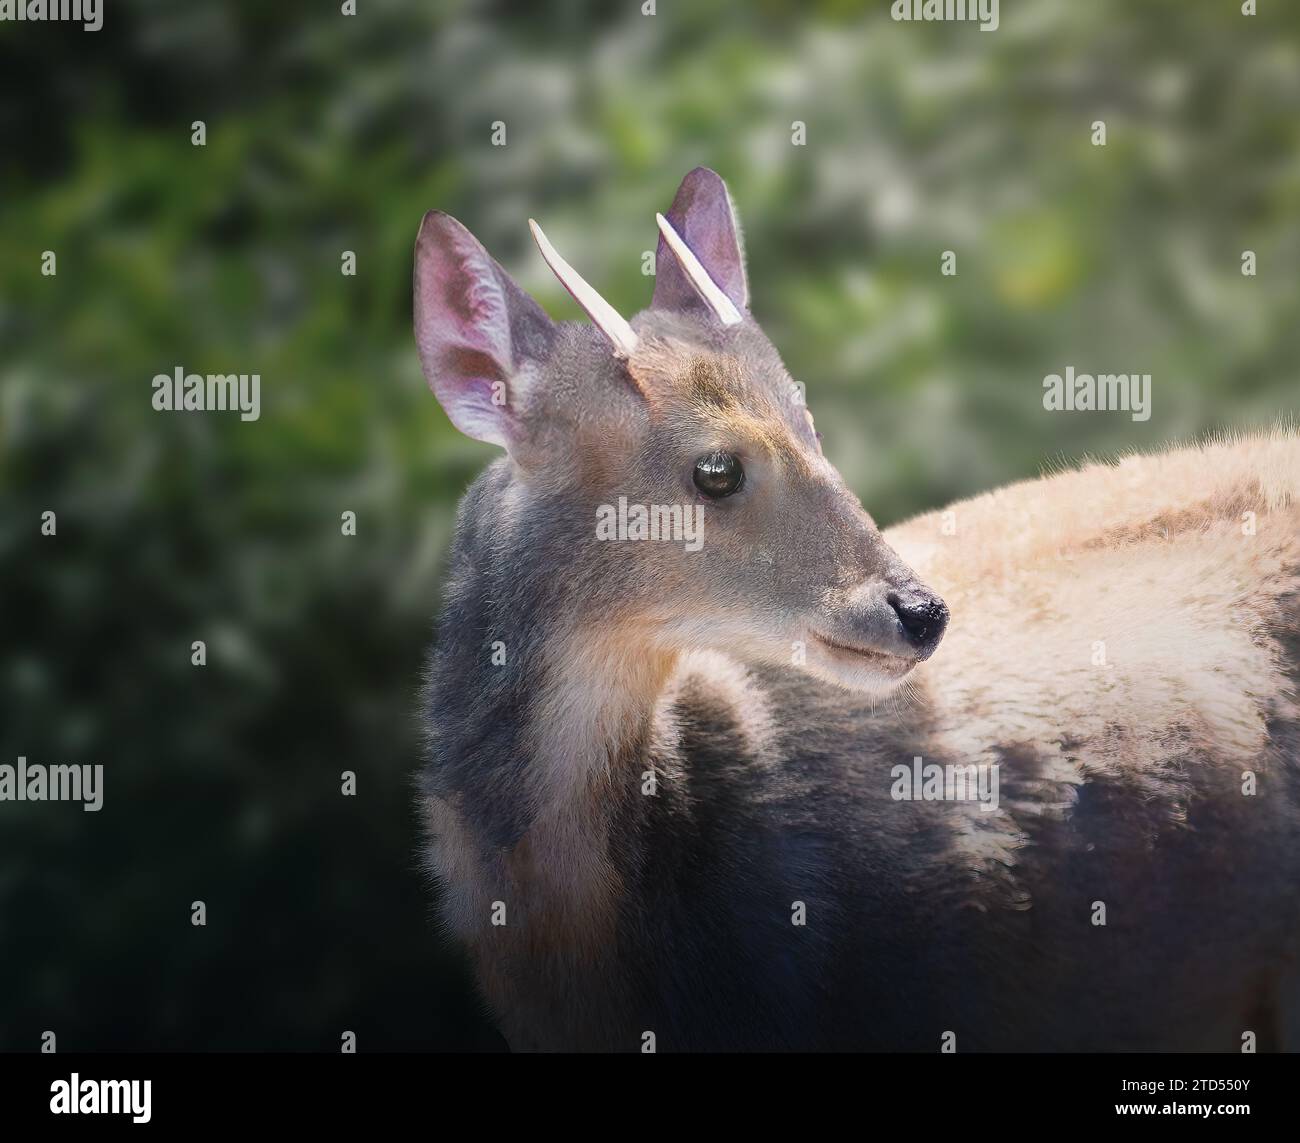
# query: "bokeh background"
(328, 133)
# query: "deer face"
(674, 454)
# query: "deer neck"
(592, 715)
(585, 742)
(537, 752)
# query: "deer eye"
(718, 474)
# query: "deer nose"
(922, 616)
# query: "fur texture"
(1121, 782)
(660, 789)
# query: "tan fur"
(660, 364)
(557, 883)
(1144, 563)
(710, 388)
(1106, 504)
(727, 685)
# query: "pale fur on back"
(1114, 617)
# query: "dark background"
(329, 133)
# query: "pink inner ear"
(701, 213)
(466, 309)
(483, 395)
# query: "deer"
(661, 795)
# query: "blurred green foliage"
(329, 133)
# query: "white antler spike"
(699, 276)
(606, 318)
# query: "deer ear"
(481, 338)
(704, 217)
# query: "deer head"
(682, 415)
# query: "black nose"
(922, 616)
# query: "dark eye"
(718, 474)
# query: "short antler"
(718, 302)
(606, 318)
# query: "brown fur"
(1147, 557)
(1123, 646)
(1036, 574)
